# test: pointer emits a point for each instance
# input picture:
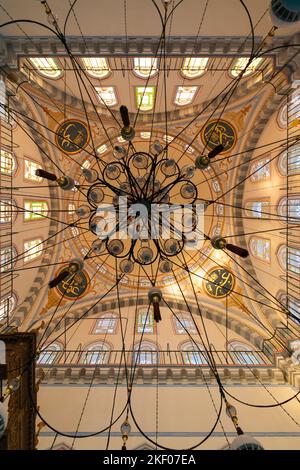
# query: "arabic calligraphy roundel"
(73, 286)
(219, 132)
(219, 282)
(72, 136)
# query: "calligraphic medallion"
(72, 136)
(73, 286)
(219, 282)
(219, 132)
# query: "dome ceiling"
(217, 141)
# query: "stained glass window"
(260, 248)
(183, 324)
(240, 64)
(47, 66)
(145, 67)
(49, 354)
(107, 324)
(145, 97)
(293, 165)
(71, 208)
(29, 171)
(145, 323)
(293, 305)
(145, 135)
(194, 67)
(260, 170)
(102, 149)
(168, 138)
(191, 354)
(243, 354)
(7, 210)
(7, 305)
(185, 95)
(7, 162)
(96, 67)
(258, 209)
(32, 249)
(106, 95)
(145, 353)
(292, 204)
(289, 258)
(7, 257)
(97, 354)
(35, 210)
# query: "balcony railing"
(162, 358)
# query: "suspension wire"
(117, 283)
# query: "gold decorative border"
(206, 280)
(219, 121)
(72, 120)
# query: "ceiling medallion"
(73, 286)
(219, 283)
(72, 136)
(219, 132)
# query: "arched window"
(33, 249)
(293, 106)
(35, 210)
(240, 64)
(292, 166)
(260, 170)
(8, 211)
(48, 67)
(145, 322)
(191, 354)
(7, 162)
(258, 209)
(97, 353)
(289, 259)
(293, 205)
(30, 168)
(8, 255)
(185, 95)
(241, 353)
(145, 353)
(145, 67)
(184, 323)
(7, 305)
(292, 304)
(260, 248)
(49, 354)
(107, 324)
(194, 67)
(96, 67)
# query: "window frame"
(41, 72)
(176, 97)
(153, 351)
(178, 326)
(142, 76)
(153, 96)
(40, 250)
(264, 260)
(30, 160)
(31, 210)
(14, 213)
(196, 75)
(94, 349)
(255, 178)
(141, 325)
(94, 74)
(14, 160)
(112, 318)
